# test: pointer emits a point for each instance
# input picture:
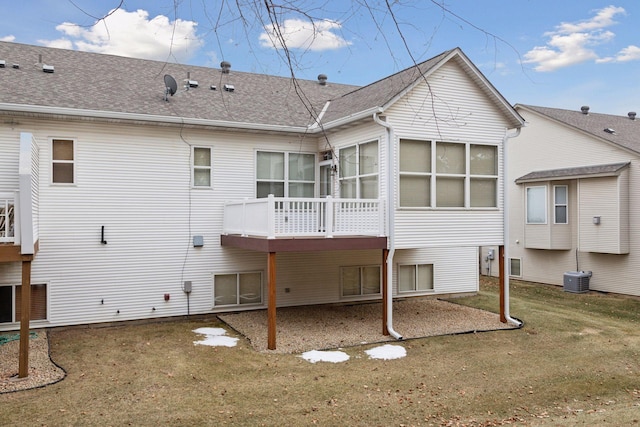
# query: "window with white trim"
(536, 204)
(62, 161)
(514, 267)
(10, 302)
(447, 174)
(285, 174)
(358, 171)
(415, 278)
(360, 280)
(201, 166)
(560, 204)
(237, 289)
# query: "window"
(483, 176)
(415, 173)
(415, 278)
(359, 171)
(357, 281)
(438, 174)
(285, 174)
(560, 205)
(237, 289)
(514, 267)
(201, 166)
(62, 161)
(10, 302)
(536, 205)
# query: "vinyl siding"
(455, 269)
(531, 152)
(602, 198)
(450, 109)
(134, 180)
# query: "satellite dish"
(170, 86)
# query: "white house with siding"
(574, 185)
(236, 192)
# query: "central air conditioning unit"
(576, 281)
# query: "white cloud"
(629, 53)
(132, 34)
(603, 19)
(297, 33)
(7, 38)
(574, 43)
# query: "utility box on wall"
(576, 281)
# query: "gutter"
(113, 115)
(505, 210)
(151, 118)
(390, 226)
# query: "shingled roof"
(612, 169)
(107, 86)
(623, 131)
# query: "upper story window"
(444, 174)
(201, 166)
(359, 171)
(537, 205)
(560, 204)
(63, 161)
(285, 174)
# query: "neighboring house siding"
(547, 145)
(605, 199)
(459, 113)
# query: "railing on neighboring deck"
(8, 226)
(274, 217)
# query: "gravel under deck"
(321, 327)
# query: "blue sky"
(551, 53)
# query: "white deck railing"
(8, 218)
(274, 217)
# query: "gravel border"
(42, 370)
(323, 327)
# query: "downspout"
(505, 213)
(390, 224)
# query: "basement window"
(237, 289)
(415, 278)
(10, 302)
(360, 280)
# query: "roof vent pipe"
(322, 79)
(225, 66)
(632, 115)
(585, 109)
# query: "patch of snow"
(210, 331)
(314, 356)
(387, 352)
(215, 337)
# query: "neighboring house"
(149, 205)
(574, 194)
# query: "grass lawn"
(576, 361)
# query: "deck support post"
(503, 317)
(271, 308)
(25, 318)
(385, 293)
